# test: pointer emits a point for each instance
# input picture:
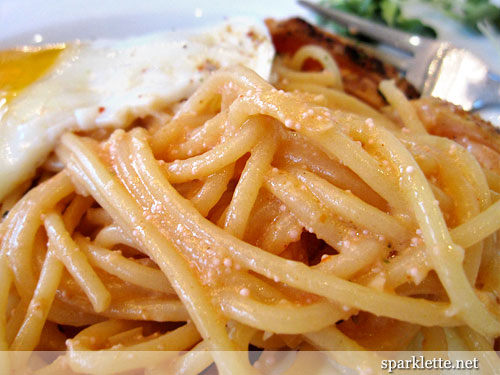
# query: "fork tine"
(399, 60)
(399, 39)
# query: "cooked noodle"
(282, 216)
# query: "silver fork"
(435, 68)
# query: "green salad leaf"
(469, 12)
(384, 11)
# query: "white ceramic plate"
(36, 21)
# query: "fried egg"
(85, 85)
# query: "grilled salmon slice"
(361, 73)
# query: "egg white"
(110, 83)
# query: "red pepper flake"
(101, 109)
(208, 65)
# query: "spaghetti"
(285, 215)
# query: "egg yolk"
(20, 67)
